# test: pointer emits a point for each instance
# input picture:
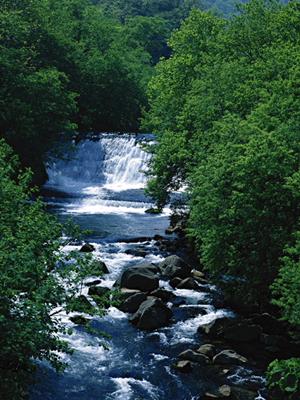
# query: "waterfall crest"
(113, 162)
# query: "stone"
(136, 252)
(98, 291)
(142, 277)
(174, 266)
(163, 294)
(229, 357)
(195, 357)
(238, 393)
(132, 303)
(79, 320)
(242, 332)
(152, 314)
(87, 248)
(208, 350)
(125, 293)
(188, 283)
(184, 366)
(223, 392)
(216, 328)
(174, 282)
(93, 283)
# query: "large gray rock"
(163, 294)
(184, 366)
(208, 350)
(142, 277)
(174, 266)
(152, 314)
(188, 283)
(132, 303)
(216, 328)
(229, 357)
(193, 356)
(87, 248)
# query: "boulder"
(184, 366)
(136, 252)
(193, 356)
(229, 357)
(79, 320)
(152, 314)
(223, 392)
(132, 303)
(142, 277)
(98, 291)
(188, 283)
(163, 294)
(87, 248)
(125, 293)
(174, 282)
(93, 283)
(216, 328)
(238, 393)
(208, 350)
(242, 332)
(174, 266)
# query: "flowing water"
(100, 186)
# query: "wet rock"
(216, 328)
(87, 248)
(188, 283)
(152, 314)
(93, 283)
(136, 252)
(229, 357)
(199, 276)
(132, 303)
(174, 266)
(195, 357)
(208, 350)
(153, 210)
(79, 320)
(223, 392)
(142, 277)
(184, 366)
(242, 332)
(125, 293)
(98, 291)
(175, 282)
(163, 294)
(238, 393)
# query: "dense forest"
(225, 107)
(219, 88)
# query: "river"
(101, 186)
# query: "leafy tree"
(32, 271)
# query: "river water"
(100, 185)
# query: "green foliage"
(225, 108)
(286, 288)
(66, 65)
(37, 280)
(284, 379)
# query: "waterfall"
(113, 162)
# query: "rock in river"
(152, 314)
(142, 277)
(174, 266)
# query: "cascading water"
(101, 186)
(114, 162)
